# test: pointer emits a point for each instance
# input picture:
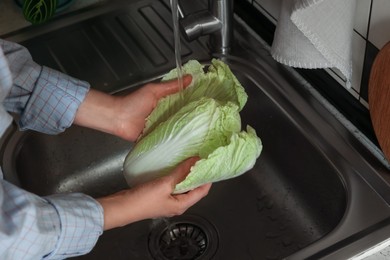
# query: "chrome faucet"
(217, 22)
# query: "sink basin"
(287, 201)
(311, 194)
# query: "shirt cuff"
(81, 223)
(53, 103)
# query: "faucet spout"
(217, 22)
(198, 24)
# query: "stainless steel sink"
(315, 192)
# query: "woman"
(66, 225)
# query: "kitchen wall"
(371, 32)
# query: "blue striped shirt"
(33, 227)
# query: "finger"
(187, 79)
(171, 86)
(181, 171)
(193, 196)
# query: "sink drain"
(183, 238)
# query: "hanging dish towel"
(315, 34)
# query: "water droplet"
(282, 227)
(260, 206)
(272, 235)
(273, 256)
(286, 241)
(272, 217)
(261, 196)
(269, 204)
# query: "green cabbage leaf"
(202, 120)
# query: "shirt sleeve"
(45, 99)
(5, 86)
(33, 227)
(53, 227)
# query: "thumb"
(171, 86)
(182, 170)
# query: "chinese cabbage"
(203, 121)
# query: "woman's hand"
(138, 105)
(152, 199)
(124, 116)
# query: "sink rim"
(367, 176)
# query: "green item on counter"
(202, 121)
(39, 11)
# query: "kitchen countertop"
(379, 252)
(12, 18)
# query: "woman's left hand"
(152, 199)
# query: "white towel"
(315, 34)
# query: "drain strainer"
(183, 238)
